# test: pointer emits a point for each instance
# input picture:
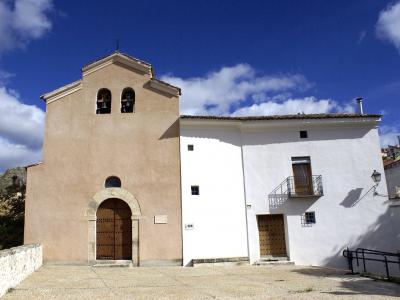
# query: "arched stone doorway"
(114, 230)
(91, 212)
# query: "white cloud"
(238, 90)
(21, 125)
(13, 155)
(307, 105)
(388, 135)
(218, 92)
(388, 25)
(21, 130)
(22, 21)
(5, 76)
(361, 36)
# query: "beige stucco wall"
(81, 149)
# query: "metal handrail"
(315, 188)
(280, 188)
(363, 253)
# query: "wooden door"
(271, 230)
(302, 179)
(114, 230)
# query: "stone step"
(273, 263)
(213, 262)
(273, 258)
(113, 263)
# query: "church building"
(109, 184)
(125, 177)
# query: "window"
(309, 217)
(190, 147)
(103, 102)
(128, 101)
(303, 134)
(195, 190)
(113, 182)
(302, 176)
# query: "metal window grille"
(310, 217)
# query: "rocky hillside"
(12, 206)
(15, 176)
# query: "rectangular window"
(190, 147)
(303, 134)
(302, 176)
(309, 217)
(195, 190)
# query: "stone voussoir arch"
(91, 211)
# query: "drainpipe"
(244, 192)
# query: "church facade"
(113, 135)
(125, 177)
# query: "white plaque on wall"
(189, 226)
(160, 219)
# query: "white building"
(283, 186)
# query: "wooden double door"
(271, 230)
(114, 230)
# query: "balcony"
(302, 187)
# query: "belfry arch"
(94, 204)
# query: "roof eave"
(121, 58)
(62, 91)
(165, 87)
(283, 117)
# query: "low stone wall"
(17, 263)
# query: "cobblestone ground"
(245, 282)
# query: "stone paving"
(241, 282)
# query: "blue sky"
(229, 57)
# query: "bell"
(104, 105)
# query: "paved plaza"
(241, 282)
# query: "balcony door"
(302, 176)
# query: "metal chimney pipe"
(360, 105)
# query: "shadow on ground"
(352, 284)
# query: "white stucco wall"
(17, 263)
(347, 215)
(344, 152)
(218, 213)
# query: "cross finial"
(116, 45)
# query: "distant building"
(391, 152)
(392, 174)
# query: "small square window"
(190, 147)
(309, 217)
(195, 190)
(303, 134)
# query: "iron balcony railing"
(307, 186)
